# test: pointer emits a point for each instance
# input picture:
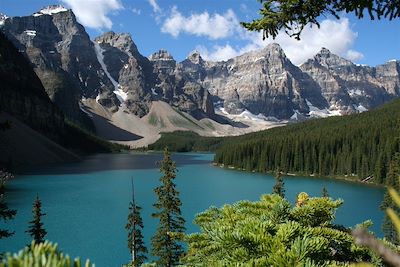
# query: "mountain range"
(107, 86)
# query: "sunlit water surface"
(87, 202)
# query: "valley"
(276, 152)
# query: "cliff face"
(263, 81)
(140, 80)
(62, 56)
(351, 88)
(111, 71)
(22, 94)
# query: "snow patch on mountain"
(121, 95)
(321, 113)
(30, 32)
(3, 18)
(295, 115)
(353, 92)
(50, 10)
(360, 108)
(247, 116)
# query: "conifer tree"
(164, 245)
(392, 180)
(5, 213)
(279, 188)
(325, 192)
(36, 230)
(134, 227)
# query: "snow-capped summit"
(50, 10)
(3, 17)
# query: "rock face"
(351, 88)
(22, 94)
(143, 80)
(111, 71)
(266, 82)
(263, 82)
(62, 55)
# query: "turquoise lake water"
(87, 202)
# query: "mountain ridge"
(110, 73)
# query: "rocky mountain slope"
(350, 88)
(37, 132)
(22, 94)
(35, 122)
(108, 79)
(63, 57)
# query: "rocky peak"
(163, 62)
(161, 55)
(325, 51)
(195, 57)
(272, 52)
(3, 18)
(122, 41)
(329, 60)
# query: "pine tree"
(165, 246)
(325, 192)
(36, 230)
(279, 188)
(392, 180)
(134, 227)
(5, 213)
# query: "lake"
(87, 202)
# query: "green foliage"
(134, 227)
(42, 255)
(83, 141)
(392, 181)
(6, 214)
(338, 146)
(164, 243)
(36, 230)
(271, 232)
(293, 15)
(279, 187)
(183, 141)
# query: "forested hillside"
(357, 146)
(183, 141)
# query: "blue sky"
(212, 27)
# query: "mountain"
(108, 85)
(266, 82)
(35, 122)
(140, 80)
(22, 94)
(38, 132)
(262, 82)
(350, 88)
(357, 146)
(63, 57)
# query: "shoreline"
(293, 174)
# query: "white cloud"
(215, 26)
(218, 52)
(155, 6)
(354, 55)
(93, 13)
(336, 35)
(137, 11)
